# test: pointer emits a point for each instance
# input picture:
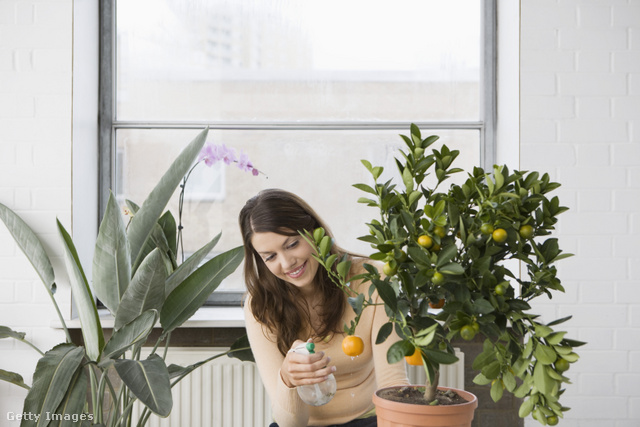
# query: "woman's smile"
(294, 274)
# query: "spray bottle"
(315, 394)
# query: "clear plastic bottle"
(316, 394)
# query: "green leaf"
(146, 291)
(482, 306)
(496, 390)
(384, 332)
(193, 292)
(130, 334)
(446, 255)
(509, 381)
(13, 378)
(399, 350)
(542, 380)
(148, 380)
(407, 179)
(526, 407)
(452, 268)
(29, 244)
(439, 357)
(51, 380)
(83, 299)
(74, 400)
(343, 269)
(241, 350)
(414, 197)
(112, 258)
(324, 246)
(387, 294)
(189, 266)
(481, 379)
(365, 188)
(168, 224)
(545, 355)
(144, 220)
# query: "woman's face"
(287, 257)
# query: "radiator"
(229, 393)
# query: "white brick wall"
(35, 171)
(580, 100)
(580, 114)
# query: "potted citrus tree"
(445, 271)
(136, 274)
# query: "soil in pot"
(415, 395)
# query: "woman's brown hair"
(275, 303)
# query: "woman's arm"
(280, 375)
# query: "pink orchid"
(212, 153)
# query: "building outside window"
(306, 89)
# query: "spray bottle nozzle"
(311, 347)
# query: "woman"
(291, 300)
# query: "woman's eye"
(267, 259)
(293, 244)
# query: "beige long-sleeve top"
(357, 378)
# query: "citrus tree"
(447, 257)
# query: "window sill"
(205, 317)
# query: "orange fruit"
(437, 278)
(425, 241)
(438, 304)
(352, 345)
(415, 359)
(439, 231)
(467, 332)
(389, 270)
(526, 231)
(562, 365)
(499, 235)
(486, 228)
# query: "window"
(307, 89)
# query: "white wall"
(580, 100)
(35, 171)
(580, 114)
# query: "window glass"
(305, 88)
(291, 60)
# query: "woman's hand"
(303, 369)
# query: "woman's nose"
(288, 263)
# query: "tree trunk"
(431, 388)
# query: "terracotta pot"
(398, 414)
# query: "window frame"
(108, 125)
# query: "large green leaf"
(148, 380)
(112, 258)
(146, 291)
(30, 245)
(189, 296)
(13, 378)
(83, 299)
(130, 334)
(72, 405)
(187, 267)
(51, 380)
(143, 221)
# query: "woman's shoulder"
(358, 267)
